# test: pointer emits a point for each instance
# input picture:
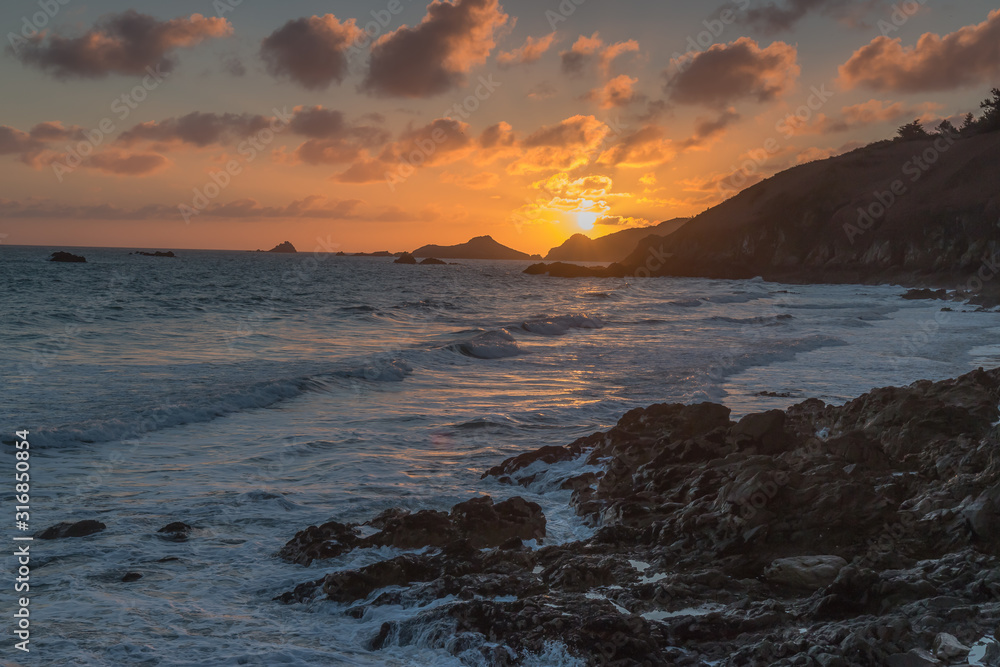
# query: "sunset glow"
(251, 126)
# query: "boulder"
(805, 572)
(914, 658)
(67, 529)
(178, 531)
(949, 649)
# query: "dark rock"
(169, 253)
(70, 258)
(178, 531)
(66, 529)
(285, 247)
(406, 258)
(433, 262)
(131, 576)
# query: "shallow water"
(251, 395)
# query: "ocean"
(251, 395)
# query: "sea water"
(251, 395)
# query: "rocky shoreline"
(862, 534)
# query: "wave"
(686, 303)
(253, 396)
(488, 345)
(560, 325)
(763, 319)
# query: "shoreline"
(862, 534)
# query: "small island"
(285, 247)
(67, 257)
(158, 253)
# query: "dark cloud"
(726, 73)
(126, 43)
(773, 18)
(29, 146)
(233, 66)
(707, 129)
(313, 206)
(197, 128)
(434, 56)
(968, 56)
(310, 51)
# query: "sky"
(389, 124)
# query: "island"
(481, 247)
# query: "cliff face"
(925, 209)
(610, 248)
(481, 247)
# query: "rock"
(285, 247)
(169, 253)
(131, 576)
(915, 294)
(479, 522)
(949, 649)
(433, 262)
(178, 531)
(66, 529)
(805, 572)
(914, 658)
(61, 256)
(765, 432)
(983, 515)
(706, 539)
(406, 258)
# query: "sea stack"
(285, 247)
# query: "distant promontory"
(481, 247)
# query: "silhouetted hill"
(481, 247)
(922, 211)
(610, 248)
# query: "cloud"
(856, 116)
(543, 91)
(442, 141)
(122, 163)
(197, 128)
(29, 146)
(497, 141)
(968, 56)
(644, 148)
(482, 181)
(532, 50)
(618, 92)
(567, 145)
(726, 73)
(126, 43)
(312, 51)
(589, 49)
(707, 129)
(623, 221)
(313, 206)
(331, 139)
(773, 18)
(434, 56)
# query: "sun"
(587, 219)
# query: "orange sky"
(239, 127)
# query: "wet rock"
(914, 658)
(131, 576)
(66, 529)
(805, 572)
(432, 261)
(949, 649)
(706, 541)
(178, 531)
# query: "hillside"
(481, 247)
(610, 248)
(823, 221)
